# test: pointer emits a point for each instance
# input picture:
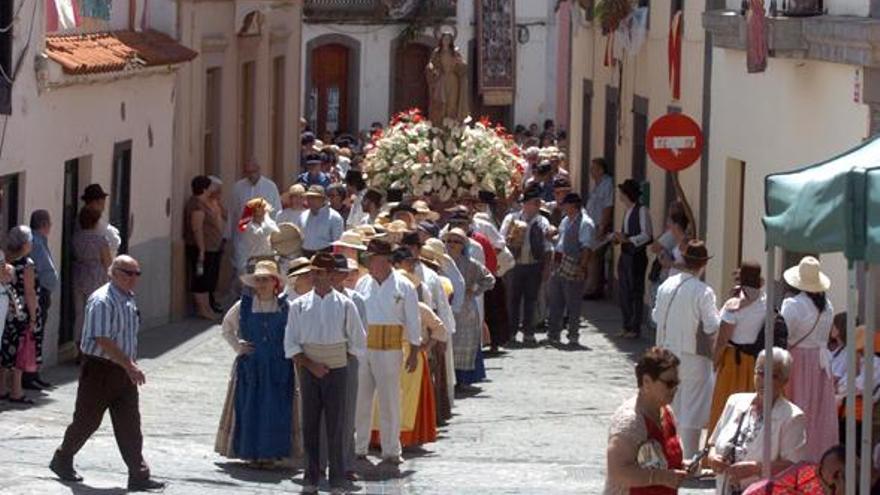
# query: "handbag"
(26, 357)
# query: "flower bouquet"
(460, 160)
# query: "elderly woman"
(25, 319)
(203, 236)
(91, 259)
(738, 437)
(644, 451)
(466, 340)
(742, 320)
(807, 316)
(256, 227)
(257, 418)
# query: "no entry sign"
(674, 142)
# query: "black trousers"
(323, 396)
(104, 385)
(631, 268)
(522, 291)
(207, 281)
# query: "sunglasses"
(130, 273)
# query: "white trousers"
(379, 373)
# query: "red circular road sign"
(674, 142)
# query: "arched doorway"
(329, 88)
(410, 83)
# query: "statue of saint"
(447, 81)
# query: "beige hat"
(287, 241)
(351, 239)
(299, 266)
(456, 232)
(294, 190)
(316, 191)
(367, 232)
(807, 276)
(397, 227)
(424, 210)
(264, 268)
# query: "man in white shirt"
(392, 320)
(570, 258)
(526, 234)
(321, 225)
(600, 208)
(323, 329)
(687, 318)
(252, 185)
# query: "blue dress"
(264, 388)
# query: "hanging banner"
(496, 51)
(676, 30)
(756, 50)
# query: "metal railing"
(377, 10)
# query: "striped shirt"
(113, 314)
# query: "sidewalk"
(539, 425)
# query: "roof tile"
(93, 53)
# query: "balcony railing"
(377, 11)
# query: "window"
(640, 134)
(278, 113)
(68, 227)
(6, 39)
(120, 205)
(246, 112)
(612, 110)
(213, 111)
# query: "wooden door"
(330, 83)
(410, 83)
(68, 227)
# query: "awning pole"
(868, 386)
(768, 359)
(851, 308)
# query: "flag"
(61, 15)
(674, 54)
(756, 41)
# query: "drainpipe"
(132, 14)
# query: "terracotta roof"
(93, 53)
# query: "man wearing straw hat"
(321, 225)
(323, 329)
(392, 321)
(687, 317)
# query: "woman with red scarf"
(644, 451)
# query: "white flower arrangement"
(413, 155)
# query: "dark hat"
(374, 196)
(750, 274)
(561, 183)
(312, 159)
(459, 217)
(394, 195)
(429, 228)
(572, 199)
(379, 247)
(402, 254)
(93, 192)
(533, 191)
(402, 206)
(410, 239)
(307, 138)
(457, 209)
(354, 176)
(327, 157)
(696, 252)
(341, 262)
(544, 167)
(323, 261)
(631, 188)
(487, 197)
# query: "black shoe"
(144, 484)
(64, 470)
(529, 341)
(43, 383)
(31, 384)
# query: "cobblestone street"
(539, 425)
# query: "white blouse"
(800, 314)
(747, 322)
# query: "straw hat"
(396, 230)
(264, 268)
(287, 241)
(807, 276)
(422, 209)
(294, 190)
(299, 266)
(367, 232)
(351, 239)
(432, 255)
(315, 192)
(456, 232)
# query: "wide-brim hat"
(533, 191)
(421, 208)
(294, 190)
(264, 268)
(323, 261)
(351, 239)
(433, 251)
(299, 266)
(397, 227)
(342, 263)
(287, 241)
(456, 232)
(696, 252)
(316, 192)
(93, 192)
(750, 275)
(807, 276)
(572, 199)
(379, 247)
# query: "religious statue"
(447, 81)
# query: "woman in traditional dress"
(257, 420)
(742, 320)
(469, 367)
(644, 451)
(807, 315)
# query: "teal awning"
(821, 208)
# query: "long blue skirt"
(476, 375)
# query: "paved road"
(539, 425)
